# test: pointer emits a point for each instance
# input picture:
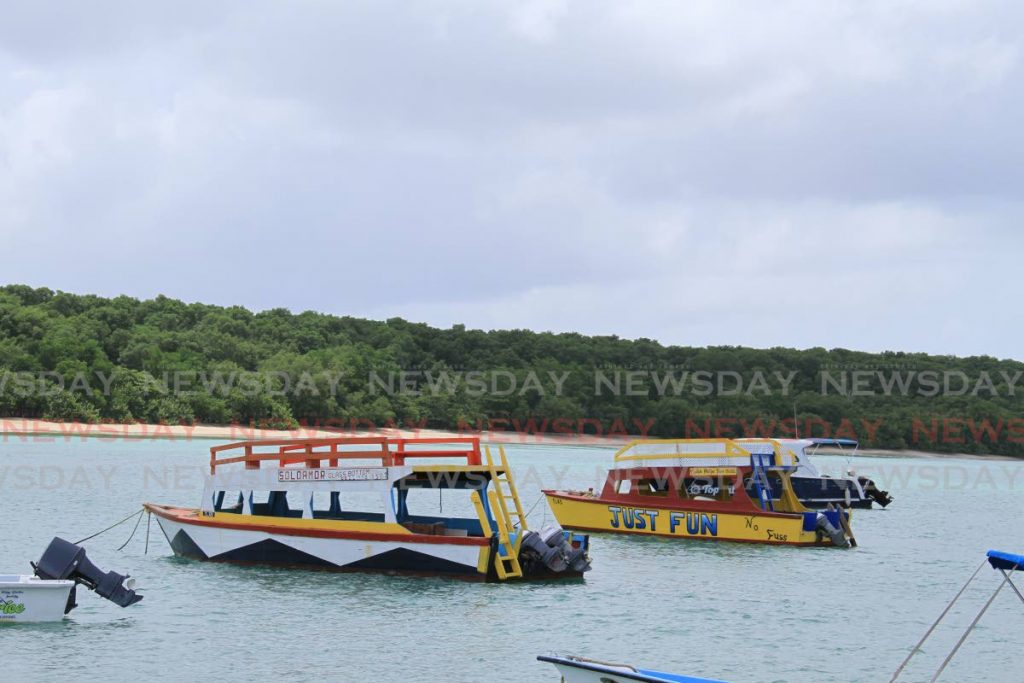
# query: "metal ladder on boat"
(761, 483)
(502, 493)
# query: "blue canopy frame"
(1003, 560)
(1000, 560)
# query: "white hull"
(572, 674)
(31, 599)
(581, 670)
(239, 545)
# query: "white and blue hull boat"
(581, 670)
(817, 490)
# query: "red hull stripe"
(166, 513)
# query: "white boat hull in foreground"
(581, 670)
(31, 599)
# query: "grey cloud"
(667, 169)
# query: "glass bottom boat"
(707, 489)
(354, 504)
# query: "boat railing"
(315, 452)
(702, 452)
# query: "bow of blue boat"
(582, 670)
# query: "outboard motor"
(876, 494)
(826, 527)
(64, 560)
(554, 550)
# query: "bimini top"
(1002, 560)
(703, 453)
(819, 441)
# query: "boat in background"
(581, 670)
(816, 490)
(344, 504)
(708, 489)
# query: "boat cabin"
(358, 479)
(439, 505)
(706, 473)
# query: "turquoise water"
(746, 614)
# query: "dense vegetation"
(70, 357)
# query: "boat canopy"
(256, 477)
(818, 441)
(703, 453)
(1003, 560)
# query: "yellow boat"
(707, 489)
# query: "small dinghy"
(582, 670)
(29, 598)
(49, 594)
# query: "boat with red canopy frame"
(344, 504)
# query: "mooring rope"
(134, 529)
(112, 526)
(539, 498)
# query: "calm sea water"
(742, 613)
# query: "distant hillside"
(65, 356)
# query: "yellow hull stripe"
(723, 526)
(318, 524)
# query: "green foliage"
(163, 360)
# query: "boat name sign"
(8, 606)
(332, 474)
(713, 471)
(696, 523)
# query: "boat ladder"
(508, 514)
(761, 483)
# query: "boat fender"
(838, 537)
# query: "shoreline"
(17, 428)
(28, 428)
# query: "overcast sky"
(786, 173)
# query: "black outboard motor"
(873, 492)
(554, 550)
(64, 560)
